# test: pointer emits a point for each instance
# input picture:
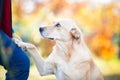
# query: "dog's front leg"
(43, 67)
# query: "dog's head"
(62, 30)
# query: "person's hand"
(22, 44)
(17, 40)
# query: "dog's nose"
(41, 29)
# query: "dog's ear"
(75, 33)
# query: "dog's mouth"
(51, 38)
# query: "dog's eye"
(58, 25)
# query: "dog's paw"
(16, 41)
(19, 43)
(23, 45)
(30, 46)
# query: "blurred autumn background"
(99, 21)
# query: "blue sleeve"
(12, 30)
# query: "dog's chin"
(45, 36)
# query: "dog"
(70, 59)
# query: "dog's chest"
(59, 71)
(62, 68)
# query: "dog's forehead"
(66, 22)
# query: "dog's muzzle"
(41, 29)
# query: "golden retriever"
(70, 58)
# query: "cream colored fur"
(70, 58)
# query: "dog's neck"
(64, 47)
(69, 47)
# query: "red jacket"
(6, 17)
